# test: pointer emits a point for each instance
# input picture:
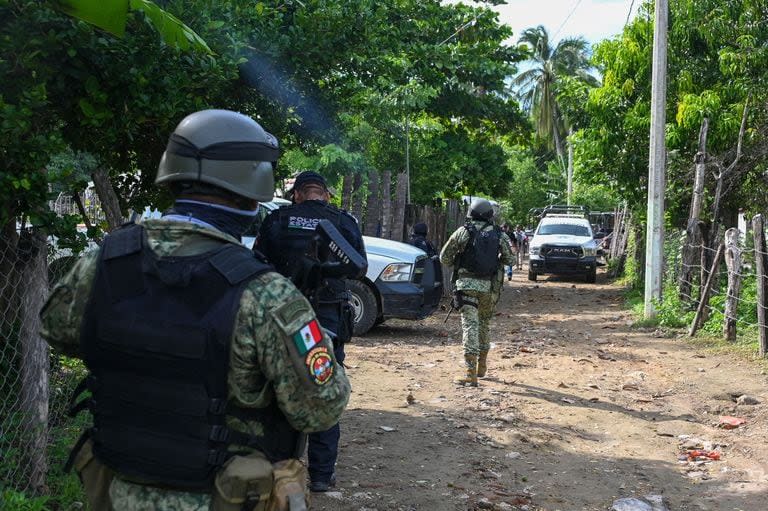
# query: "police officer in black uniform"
(419, 239)
(284, 238)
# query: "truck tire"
(591, 276)
(364, 305)
(532, 275)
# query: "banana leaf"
(111, 16)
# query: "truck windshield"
(568, 229)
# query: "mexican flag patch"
(308, 337)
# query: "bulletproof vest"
(297, 227)
(156, 339)
(481, 253)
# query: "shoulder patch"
(291, 315)
(319, 365)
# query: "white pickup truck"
(401, 281)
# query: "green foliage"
(718, 59)
(527, 188)
(554, 70)
(112, 16)
(18, 501)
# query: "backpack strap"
(237, 263)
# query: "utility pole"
(569, 177)
(654, 238)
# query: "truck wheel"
(364, 306)
(532, 275)
(591, 276)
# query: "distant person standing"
(513, 247)
(419, 239)
(475, 251)
(522, 240)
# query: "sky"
(593, 19)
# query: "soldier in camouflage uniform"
(126, 311)
(477, 252)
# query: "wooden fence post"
(758, 229)
(357, 198)
(704, 300)
(385, 189)
(346, 192)
(693, 246)
(372, 206)
(733, 262)
(398, 215)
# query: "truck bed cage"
(559, 209)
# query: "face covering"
(225, 219)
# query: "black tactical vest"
(297, 227)
(481, 253)
(156, 340)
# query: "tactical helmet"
(480, 209)
(222, 148)
(420, 229)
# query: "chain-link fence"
(35, 383)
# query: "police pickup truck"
(563, 244)
(401, 281)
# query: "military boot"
(471, 377)
(482, 364)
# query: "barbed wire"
(720, 293)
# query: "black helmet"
(420, 229)
(222, 148)
(480, 209)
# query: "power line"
(576, 6)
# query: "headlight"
(589, 250)
(535, 250)
(396, 272)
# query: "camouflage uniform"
(475, 321)
(271, 311)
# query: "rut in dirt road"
(579, 409)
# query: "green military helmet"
(480, 209)
(222, 148)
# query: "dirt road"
(579, 409)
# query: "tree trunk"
(373, 206)
(35, 359)
(109, 201)
(733, 262)
(386, 203)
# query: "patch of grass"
(17, 501)
(745, 347)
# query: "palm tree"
(538, 85)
